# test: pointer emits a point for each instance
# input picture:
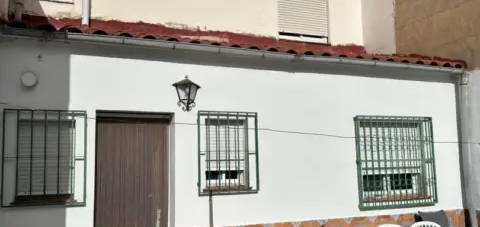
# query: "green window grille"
(228, 152)
(395, 162)
(43, 157)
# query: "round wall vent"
(29, 79)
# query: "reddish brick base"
(455, 217)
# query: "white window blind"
(307, 18)
(45, 157)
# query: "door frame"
(139, 115)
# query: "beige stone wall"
(445, 28)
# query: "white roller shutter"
(303, 17)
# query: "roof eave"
(130, 41)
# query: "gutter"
(129, 41)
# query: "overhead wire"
(265, 129)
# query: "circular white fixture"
(29, 79)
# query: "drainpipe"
(18, 9)
(86, 12)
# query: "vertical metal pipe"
(433, 175)
(359, 162)
(256, 154)
(45, 127)
(85, 128)
(210, 207)
(71, 146)
(58, 153)
(217, 153)
(372, 162)
(246, 152)
(208, 183)
(16, 154)
(3, 158)
(199, 154)
(31, 153)
(365, 180)
(237, 147)
(19, 8)
(227, 155)
(86, 9)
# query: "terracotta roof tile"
(157, 31)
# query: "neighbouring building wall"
(250, 16)
(56, 9)
(470, 99)
(378, 26)
(346, 22)
(443, 28)
(301, 177)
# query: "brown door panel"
(131, 173)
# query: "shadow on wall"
(50, 92)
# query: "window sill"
(38, 200)
(227, 188)
(323, 40)
(59, 1)
(396, 198)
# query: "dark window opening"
(373, 183)
(401, 181)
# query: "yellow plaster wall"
(446, 28)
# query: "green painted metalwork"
(227, 153)
(395, 162)
(39, 162)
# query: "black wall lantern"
(186, 90)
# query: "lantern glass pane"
(193, 92)
(183, 92)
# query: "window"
(395, 162)
(305, 20)
(228, 160)
(43, 158)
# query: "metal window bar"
(395, 162)
(40, 155)
(228, 160)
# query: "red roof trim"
(157, 31)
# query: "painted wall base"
(456, 218)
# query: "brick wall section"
(445, 28)
(455, 217)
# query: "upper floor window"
(395, 162)
(43, 158)
(303, 20)
(228, 160)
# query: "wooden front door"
(131, 173)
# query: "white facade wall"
(301, 177)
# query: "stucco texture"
(445, 28)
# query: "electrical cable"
(272, 129)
